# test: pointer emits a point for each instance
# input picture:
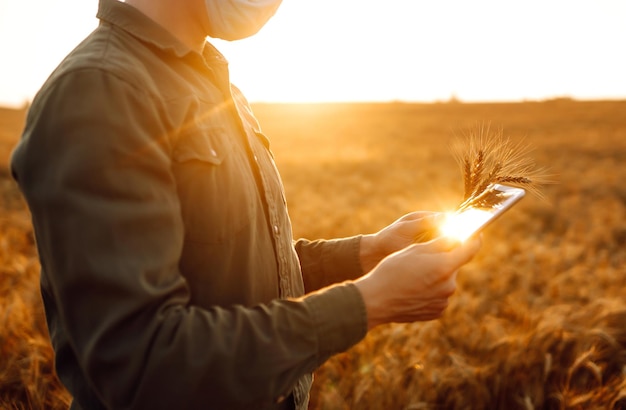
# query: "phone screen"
(468, 221)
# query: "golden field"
(539, 317)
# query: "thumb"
(431, 221)
(427, 227)
(468, 249)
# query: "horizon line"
(452, 100)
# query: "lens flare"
(462, 225)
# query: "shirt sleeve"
(94, 167)
(325, 262)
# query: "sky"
(365, 50)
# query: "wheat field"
(539, 317)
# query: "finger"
(463, 253)
(440, 244)
(473, 244)
(448, 286)
(416, 215)
(433, 310)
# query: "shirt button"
(256, 159)
(213, 152)
(276, 229)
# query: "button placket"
(283, 279)
(275, 226)
(264, 164)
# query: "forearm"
(325, 262)
(228, 358)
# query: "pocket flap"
(206, 145)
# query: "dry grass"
(11, 122)
(27, 377)
(539, 319)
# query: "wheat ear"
(487, 158)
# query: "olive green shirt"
(170, 278)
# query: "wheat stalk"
(488, 158)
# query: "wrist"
(370, 298)
(368, 253)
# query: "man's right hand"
(415, 283)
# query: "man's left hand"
(397, 236)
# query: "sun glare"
(462, 225)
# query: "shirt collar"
(139, 25)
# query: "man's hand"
(415, 283)
(400, 234)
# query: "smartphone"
(468, 221)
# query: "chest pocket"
(215, 185)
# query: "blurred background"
(365, 50)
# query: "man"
(169, 275)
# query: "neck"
(185, 20)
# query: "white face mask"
(237, 19)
